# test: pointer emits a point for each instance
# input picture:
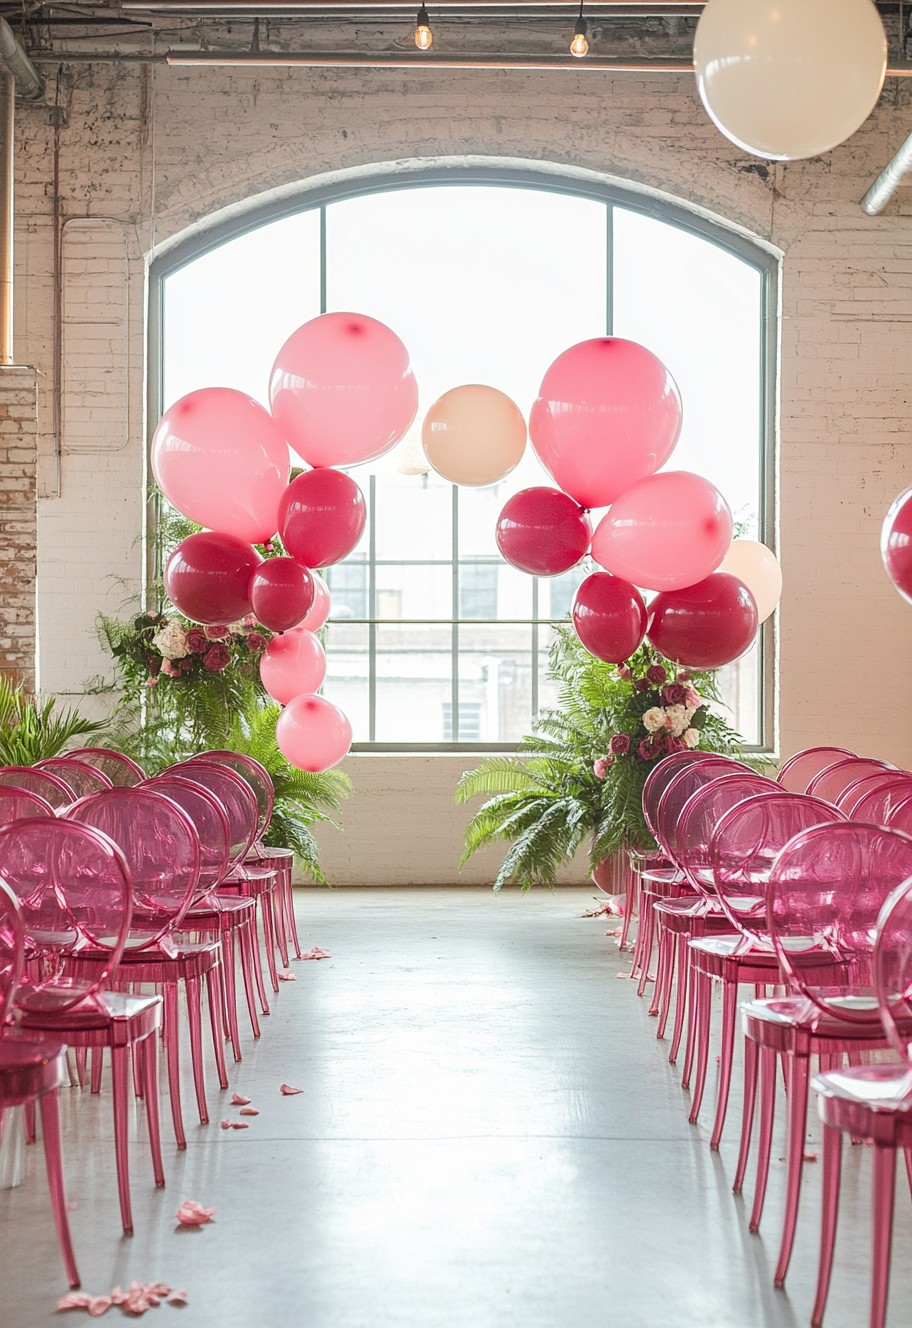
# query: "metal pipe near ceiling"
(389, 60)
(216, 7)
(13, 57)
(7, 176)
(889, 180)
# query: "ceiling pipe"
(29, 82)
(435, 60)
(889, 180)
(638, 7)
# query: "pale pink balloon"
(313, 734)
(608, 413)
(666, 532)
(222, 460)
(342, 390)
(322, 606)
(291, 664)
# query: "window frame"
(320, 195)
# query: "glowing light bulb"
(424, 38)
(579, 46)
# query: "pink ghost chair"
(875, 802)
(51, 788)
(798, 771)
(120, 770)
(832, 782)
(83, 779)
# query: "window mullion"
(609, 270)
(372, 600)
(454, 640)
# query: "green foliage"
(566, 785)
(33, 729)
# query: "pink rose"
(197, 643)
(624, 673)
(256, 641)
(649, 749)
(674, 694)
(216, 658)
(656, 675)
(217, 633)
(600, 766)
(249, 620)
(692, 698)
(620, 744)
(152, 682)
(675, 745)
(169, 669)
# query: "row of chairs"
(801, 886)
(114, 886)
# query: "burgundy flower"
(649, 749)
(620, 744)
(216, 658)
(217, 633)
(185, 664)
(624, 673)
(674, 694)
(256, 641)
(656, 675)
(674, 744)
(196, 641)
(155, 664)
(641, 685)
(684, 676)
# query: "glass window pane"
(414, 516)
(347, 672)
(495, 681)
(414, 682)
(407, 591)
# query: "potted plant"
(32, 728)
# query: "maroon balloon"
(609, 616)
(543, 532)
(282, 593)
(706, 625)
(321, 516)
(896, 544)
(208, 577)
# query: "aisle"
(489, 1137)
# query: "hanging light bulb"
(579, 46)
(424, 38)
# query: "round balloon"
(706, 625)
(543, 532)
(474, 435)
(758, 567)
(608, 413)
(281, 594)
(666, 532)
(313, 734)
(609, 616)
(207, 577)
(222, 460)
(342, 390)
(321, 606)
(292, 664)
(787, 79)
(321, 517)
(896, 544)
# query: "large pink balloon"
(313, 734)
(666, 532)
(609, 616)
(207, 577)
(896, 544)
(292, 664)
(608, 413)
(282, 593)
(321, 516)
(342, 390)
(706, 625)
(542, 531)
(222, 460)
(321, 606)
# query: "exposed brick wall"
(18, 522)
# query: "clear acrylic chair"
(83, 779)
(798, 771)
(875, 805)
(879, 780)
(50, 787)
(16, 804)
(122, 771)
(832, 782)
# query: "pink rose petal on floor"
(615, 931)
(239, 1125)
(225, 1124)
(810, 1157)
(249, 1111)
(238, 1100)
(622, 975)
(290, 977)
(99, 1305)
(193, 1214)
(287, 1091)
(177, 1298)
(72, 1206)
(76, 1300)
(316, 953)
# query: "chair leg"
(832, 1169)
(97, 1063)
(120, 1080)
(882, 1217)
(266, 906)
(768, 1072)
(661, 967)
(146, 1056)
(53, 1157)
(82, 1060)
(729, 1022)
(28, 1122)
(228, 985)
(194, 1013)
(172, 1051)
(907, 1154)
(247, 950)
(252, 941)
(704, 1006)
(668, 985)
(797, 1130)
(681, 990)
(290, 913)
(692, 1015)
(215, 1019)
(648, 925)
(751, 1055)
(280, 918)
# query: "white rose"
(676, 719)
(691, 737)
(171, 641)
(654, 719)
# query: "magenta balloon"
(292, 664)
(543, 532)
(342, 390)
(896, 544)
(608, 414)
(207, 577)
(321, 606)
(313, 734)
(706, 625)
(665, 532)
(609, 616)
(282, 593)
(321, 516)
(222, 460)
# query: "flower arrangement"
(665, 704)
(172, 647)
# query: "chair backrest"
(826, 890)
(658, 779)
(875, 805)
(700, 815)
(746, 842)
(798, 771)
(120, 770)
(255, 774)
(680, 787)
(12, 949)
(83, 779)
(899, 813)
(859, 794)
(209, 821)
(832, 782)
(73, 887)
(162, 850)
(235, 796)
(18, 804)
(893, 968)
(50, 787)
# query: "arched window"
(434, 641)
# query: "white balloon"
(758, 567)
(788, 79)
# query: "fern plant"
(579, 776)
(32, 728)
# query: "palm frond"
(32, 728)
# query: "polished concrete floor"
(489, 1137)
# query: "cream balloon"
(789, 79)
(474, 435)
(758, 567)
